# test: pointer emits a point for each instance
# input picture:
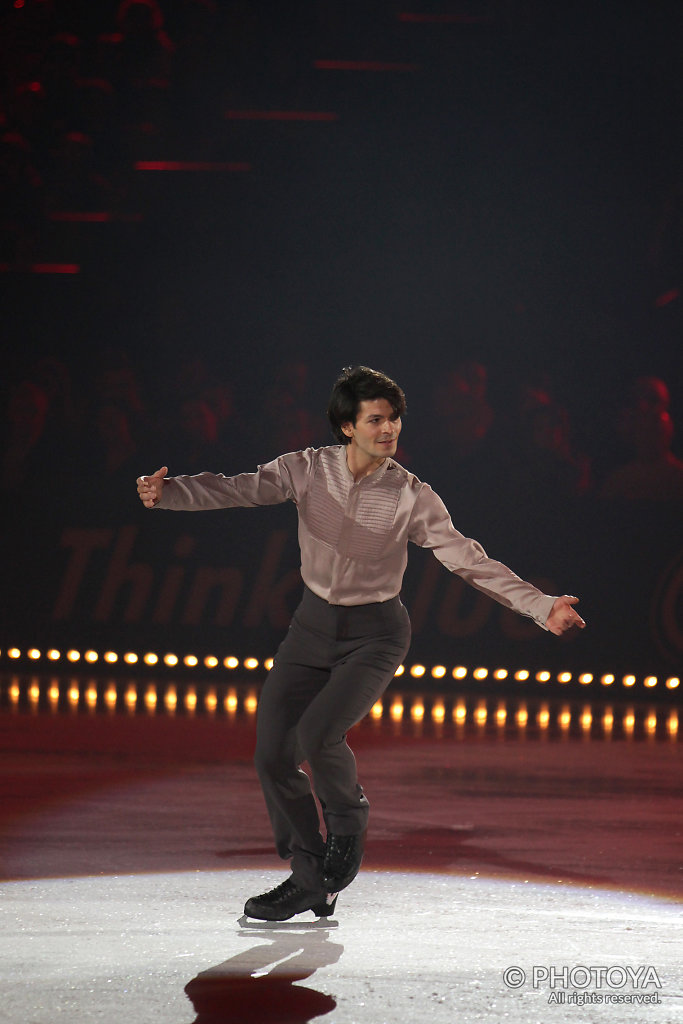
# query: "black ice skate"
(286, 900)
(343, 856)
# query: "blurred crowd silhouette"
(79, 445)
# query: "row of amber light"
(416, 671)
(522, 675)
(133, 695)
(131, 658)
(394, 707)
(543, 717)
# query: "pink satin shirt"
(354, 535)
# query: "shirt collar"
(373, 477)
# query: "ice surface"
(408, 947)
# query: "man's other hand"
(150, 487)
(563, 616)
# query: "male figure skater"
(357, 509)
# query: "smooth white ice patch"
(406, 947)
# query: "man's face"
(375, 432)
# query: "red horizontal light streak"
(445, 19)
(280, 115)
(41, 268)
(189, 165)
(93, 216)
(362, 65)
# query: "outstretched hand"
(563, 616)
(150, 487)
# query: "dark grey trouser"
(333, 665)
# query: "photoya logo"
(568, 985)
(581, 977)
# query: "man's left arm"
(431, 527)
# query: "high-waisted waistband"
(376, 618)
(393, 602)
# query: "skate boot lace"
(280, 892)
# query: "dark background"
(500, 186)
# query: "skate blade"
(253, 923)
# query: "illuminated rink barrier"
(14, 657)
(410, 712)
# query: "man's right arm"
(281, 480)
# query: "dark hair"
(358, 384)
